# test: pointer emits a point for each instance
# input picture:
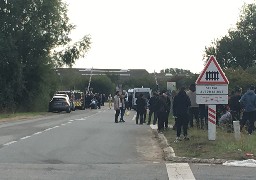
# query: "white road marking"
(179, 171)
(81, 119)
(47, 129)
(37, 133)
(9, 143)
(26, 137)
(40, 132)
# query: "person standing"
(248, 102)
(130, 102)
(168, 102)
(141, 106)
(161, 110)
(194, 108)
(110, 99)
(117, 106)
(181, 104)
(152, 108)
(122, 107)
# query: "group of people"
(94, 100)
(185, 109)
(159, 106)
(242, 107)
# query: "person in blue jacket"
(248, 102)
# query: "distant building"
(122, 73)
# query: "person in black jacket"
(162, 108)
(181, 104)
(141, 107)
(152, 108)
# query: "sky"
(150, 34)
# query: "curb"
(169, 154)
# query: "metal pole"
(88, 88)
(157, 86)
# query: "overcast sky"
(150, 34)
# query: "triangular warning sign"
(212, 73)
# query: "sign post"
(212, 89)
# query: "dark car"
(59, 103)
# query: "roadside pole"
(212, 89)
(211, 122)
(89, 84)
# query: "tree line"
(31, 32)
(236, 51)
(34, 42)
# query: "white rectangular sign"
(171, 86)
(212, 89)
(212, 99)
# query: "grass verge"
(224, 147)
(4, 117)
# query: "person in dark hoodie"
(141, 107)
(248, 102)
(181, 104)
(162, 108)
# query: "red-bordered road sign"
(212, 73)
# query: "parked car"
(59, 103)
(69, 96)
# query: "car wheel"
(68, 110)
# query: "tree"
(238, 47)
(30, 33)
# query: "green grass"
(224, 147)
(21, 115)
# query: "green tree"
(238, 47)
(30, 33)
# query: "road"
(87, 144)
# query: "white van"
(147, 93)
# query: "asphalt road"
(80, 145)
(87, 144)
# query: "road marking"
(37, 133)
(81, 119)
(26, 137)
(47, 129)
(179, 171)
(9, 143)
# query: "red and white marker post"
(211, 122)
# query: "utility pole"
(157, 85)
(89, 84)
